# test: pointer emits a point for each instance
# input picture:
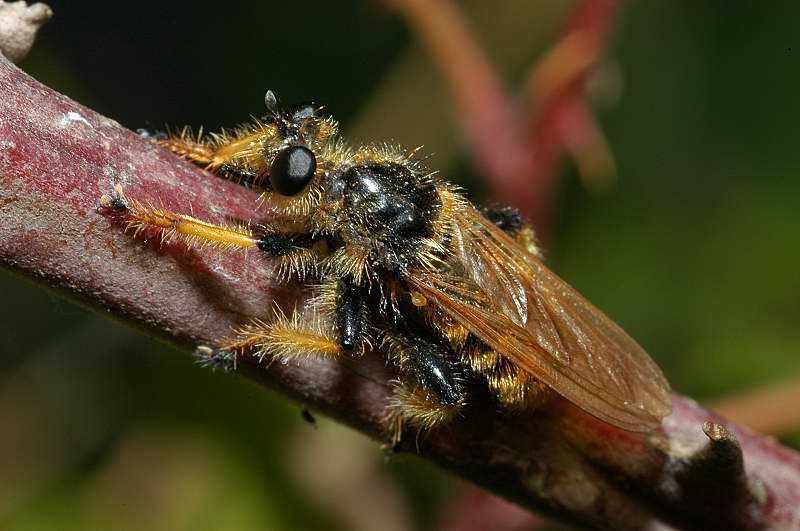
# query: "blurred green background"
(694, 250)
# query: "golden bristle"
(417, 409)
(190, 230)
(287, 339)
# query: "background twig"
(519, 157)
(770, 409)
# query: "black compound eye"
(292, 170)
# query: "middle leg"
(332, 323)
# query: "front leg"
(194, 232)
(296, 252)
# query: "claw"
(214, 359)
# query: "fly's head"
(376, 201)
(297, 149)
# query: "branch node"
(19, 23)
(722, 455)
(715, 477)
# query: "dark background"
(694, 250)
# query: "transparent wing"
(510, 300)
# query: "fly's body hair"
(511, 386)
(398, 258)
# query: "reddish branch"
(57, 158)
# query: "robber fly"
(456, 296)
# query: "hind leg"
(510, 221)
(430, 391)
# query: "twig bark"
(57, 158)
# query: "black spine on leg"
(436, 374)
(350, 313)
